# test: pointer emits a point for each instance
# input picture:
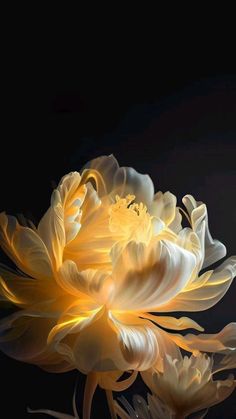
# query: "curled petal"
(137, 339)
(109, 380)
(91, 247)
(127, 342)
(61, 223)
(128, 181)
(115, 180)
(206, 290)
(92, 282)
(224, 341)
(214, 250)
(102, 170)
(23, 336)
(146, 277)
(164, 207)
(24, 246)
(169, 322)
(25, 291)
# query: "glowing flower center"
(130, 219)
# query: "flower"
(187, 384)
(106, 254)
(185, 387)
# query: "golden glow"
(130, 219)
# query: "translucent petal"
(146, 277)
(24, 246)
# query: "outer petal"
(169, 322)
(205, 291)
(164, 207)
(23, 336)
(24, 246)
(224, 341)
(146, 277)
(109, 380)
(25, 291)
(61, 222)
(102, 170)
(214, 250)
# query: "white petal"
(128, 181)
(224, 341)
(24, 246)
(146, 277)
(102, 170)
(205, 291)
(164, 207)
(91, 282)
(214, 250)
(137, 339)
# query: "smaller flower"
(187, 386)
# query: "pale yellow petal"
(213, 250)
(206, 290)
(92, 282)
(61, 223)
(146, 277)
(164, 207)
(24, 337)
(137, 340)
(169, 322)
(102, 170)
(25, 291)
(224, 341)
(24, 246)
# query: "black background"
(171, 120)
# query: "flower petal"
(164, 207)
(213, 249)
(25, 291)
(128, 181)
(169, 322)
(102, 170)
(127, 342)
(61, 222)
(92, 282)
(205, 291)
(109, 380)
(146, 277)
(137, 339)
(23, 336)
(24, 246)
(91, 247)
(224, 341)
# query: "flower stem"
(90, 387)
(110, 403)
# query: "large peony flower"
(107, 253)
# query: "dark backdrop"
(177, 125)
